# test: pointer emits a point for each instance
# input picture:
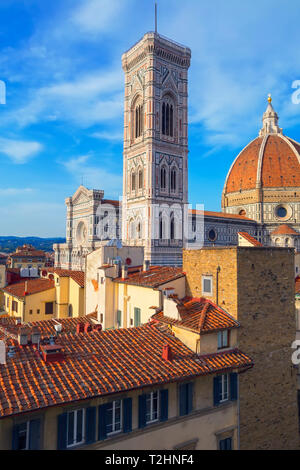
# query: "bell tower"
(155, 179)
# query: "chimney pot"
(167, 354)
(146, 266)
(124, 272)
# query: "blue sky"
(63, 117)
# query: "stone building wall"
(256, 286)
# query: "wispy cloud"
(94, 16)
(95, 177)
(19, 151)
(15, 191)
(110, 136)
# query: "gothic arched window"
(163, 178)
(133, 181)
(138, 121)
(161, 226)
(173, 179)
(172, 227)
(167, 126)
(141, 177)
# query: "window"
(223, 339)
(207, 285)
(163, 178)
(152, 406)
(14, 306)
(133, 182)
(281, 212)
(49, 308)
(185, 398)
(223, 389)
(172, 227)
(119, 318)
(225, 444)
(167, 126)
(212, 235)
(23, 436)
(27, 435)
(141, 177)
(75, 427)
(114, 417)
(138, 121)
(173, 180)
(38, 311)
(161, 227)
(137, 317)
(70, 311)
(30, 312)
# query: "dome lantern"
(270, 120)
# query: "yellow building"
(134, 388)
(27, 256)
(57, 294)
(257, 286)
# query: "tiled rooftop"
(284, 229)
(102, 363)
(34, 286)
(250, 239)
(154, 277)
(77, 276)
(199, 315)
(221, 215)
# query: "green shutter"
(189, 397)
(62, 431)
(182, 399)
(102, 432)
(90, 425)
(137, 317)
(216, 391)
(127, 415)
(15, 437)
(164, 405)
(35, 434)
(142, 411)
(233, 387)
(119, 318)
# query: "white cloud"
(15, 191)
(94, 16)
(94, 177)
(110, 136)
(19, 151)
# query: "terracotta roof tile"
(222, 215)
(200, 315)
(102, 363)
(154, 277)
(250, 239)
(77, 276)
(33, 287)
(284, 229)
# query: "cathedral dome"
(269, 163)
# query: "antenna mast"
(155, 17)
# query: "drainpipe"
(217, 285)
(238, 412)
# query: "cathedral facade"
(261, 194)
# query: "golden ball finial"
(269, 98)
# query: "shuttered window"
(115, 417)
(27, 435)
(153, 406)
(49, 308)
(76, 427)
(225, 444)
(137, 317)
(225, 388)
(185, 399)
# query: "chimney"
(79, 328)
(167, 354)
(35, 335)
(146, 265)
(97, 327)
(52, 353)
(2, 353)
(23, 336)
(170, 304)
(26, 288)
(124, 271)
(87, 327)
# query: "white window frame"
(224, 392)
(207, 278)
(152, 420)
(27, 434)
(114, 431)
(222, 344)
(75, 443)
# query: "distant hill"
(9, 244)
